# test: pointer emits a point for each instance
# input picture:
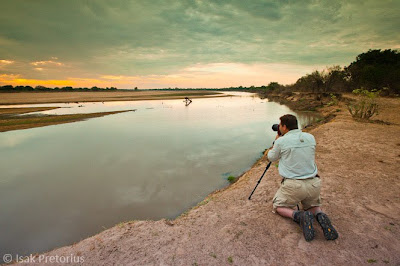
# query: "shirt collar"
(293, 131)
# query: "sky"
(186, 43)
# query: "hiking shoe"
(306, 224)
(330, 232)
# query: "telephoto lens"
(275, 127)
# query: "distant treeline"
(374, 70)
(185, 89)
(10, 88)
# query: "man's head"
(288, 122)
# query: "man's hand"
(277, 137)
(267, 150)
(265, 156)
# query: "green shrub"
(366, 106)
(231, 179)
(333, 101)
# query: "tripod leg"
(266, 168)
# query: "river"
(60, 184)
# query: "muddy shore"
(359, 166)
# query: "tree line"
(10, 88)
(375, 70)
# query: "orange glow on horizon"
(217, 75)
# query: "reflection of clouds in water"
(169, 172)
(205, 152)
(209, 156)
(11, 140)
(131, 195)
(242, 132)
(11, 175)
(114, 160)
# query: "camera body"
(275, 127)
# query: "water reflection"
(63, 183)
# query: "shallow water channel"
(60, 184)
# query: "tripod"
(260, 179)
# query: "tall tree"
(335, 79)
(376, 69)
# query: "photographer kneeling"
(295, 151)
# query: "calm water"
(60, 184)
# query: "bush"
(366, 106)
(231, 179)
(334, 100)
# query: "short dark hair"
(290, 121)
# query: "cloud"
(5, 62)
(214, 75)
(46, 63)
(90, 39)
(14, 140)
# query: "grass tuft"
(231, 179)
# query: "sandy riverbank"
(359, 165)
(9, 121)
(98, 96)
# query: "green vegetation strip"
(23, 110)
(24, 122)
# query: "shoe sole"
(307, 226)
(330, 232)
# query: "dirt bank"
(359, 165)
